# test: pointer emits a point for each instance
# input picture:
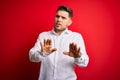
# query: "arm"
(35, 54)
(77, 50)
(40, 51)
(83, 60)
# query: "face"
(62, 21)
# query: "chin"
(57, 27)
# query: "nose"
(59, 19)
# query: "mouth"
(58, 24)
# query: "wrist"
(45, 54)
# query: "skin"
(62, 21)
(47, 46)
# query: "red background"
(97, 20)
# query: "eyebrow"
(61, 16)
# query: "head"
(63, 18)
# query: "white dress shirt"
(57, 66)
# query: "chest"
(62, 41)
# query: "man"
(59, 50)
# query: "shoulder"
(45, 33)
(77, 34)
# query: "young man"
(59, 50)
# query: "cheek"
(67, 23)
(55, 20)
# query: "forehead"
(62, 13)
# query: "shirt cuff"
(43, 54)
(78, 59)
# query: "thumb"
(66, 53)
(54, 49)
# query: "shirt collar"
(66, 31)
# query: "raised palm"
(47, 46)
(73, 51)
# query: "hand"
(73, 51)
(47, 47)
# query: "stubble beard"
(59, 30)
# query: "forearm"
(35, 55)
(83, 60)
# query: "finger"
(77, 54)
(72, 47)
(75, 48)
(45, 42)
(66, 53)
(71, 54)
(50, 42)
(78, 51)
(41, 46)
(54, 49)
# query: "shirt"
(57, 66)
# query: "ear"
(70, 22)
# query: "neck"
(58, 31)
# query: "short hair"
(67, 9)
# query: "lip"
(58, 24)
